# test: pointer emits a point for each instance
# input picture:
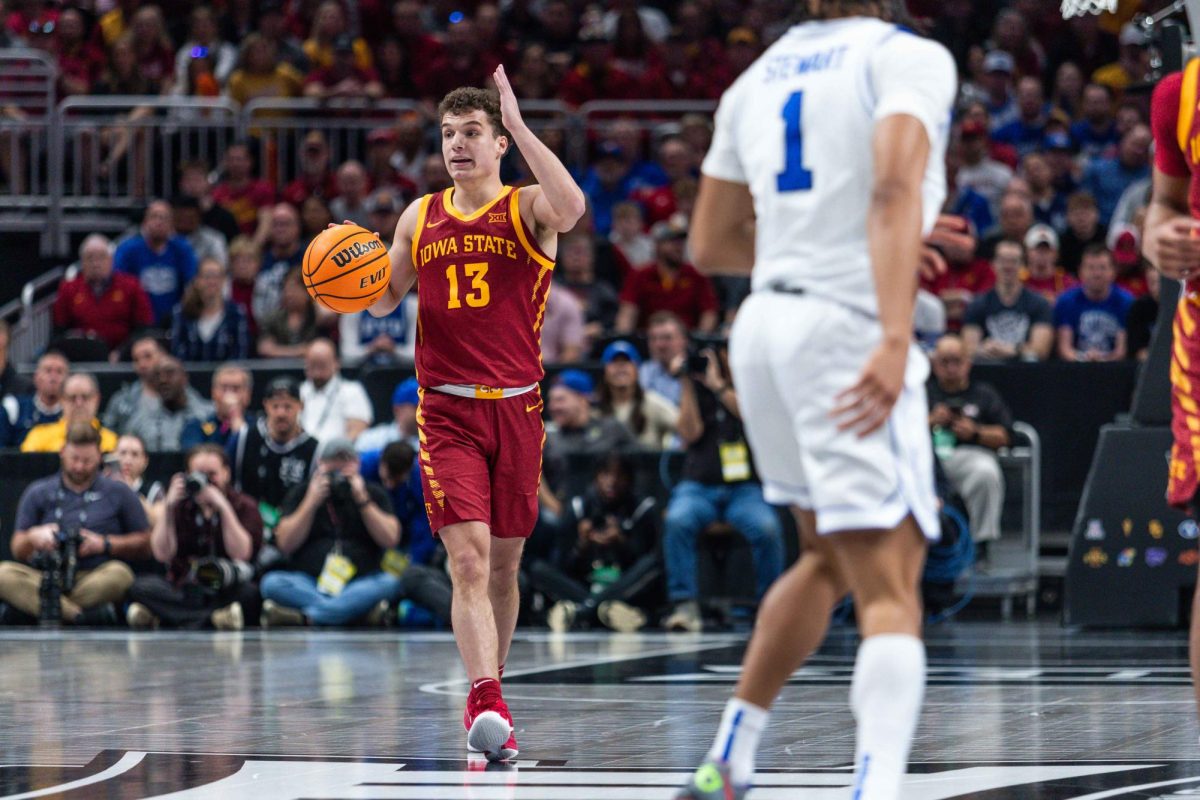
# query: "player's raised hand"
(866, 406)
(510, 115)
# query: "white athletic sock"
(889, 683)
(737, 739)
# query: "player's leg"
(1194, 645)
(503, 592)
(883, 569)
(468, 550)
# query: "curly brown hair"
(466, 99)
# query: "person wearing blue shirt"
(1025, 133)
(1108, 178)
(43, 405)
(421, 583)
(161, 260)
(231, 388)
(403, 425)
(1096, 132)
(1090, 318)
(606, 183)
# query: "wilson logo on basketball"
(347, 254)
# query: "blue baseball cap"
(576, 380)
(1057, 141)
(618, 349)
(406, 393)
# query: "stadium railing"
(30, 316)
(27, 106)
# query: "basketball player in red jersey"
(1172, 244)
(482, 255)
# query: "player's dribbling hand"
(1178, 242)
(866, 406)
(350, 222)
(510, 115)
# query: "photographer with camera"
(71, 529)
(333, 531)
(206, 537)
(719, 485)
(970, 422)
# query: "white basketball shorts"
(791, 356)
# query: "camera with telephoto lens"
(339, 487)
(194, 483)
(59, 568)
(215, 575)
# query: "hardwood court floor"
(1013, 712)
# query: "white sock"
(889, 683)
(737, 739)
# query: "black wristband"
(107, 547)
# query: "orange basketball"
(346, 268)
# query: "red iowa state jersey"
(1175, 121)
(482, 287)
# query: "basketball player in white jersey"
(825, 170)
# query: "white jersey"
(797, 128)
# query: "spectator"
(1010, 34)
(1143, 318)
(12, 384)
(434, 176)
(206, 326)
(231, 388)
(240, 193)
(205, 241)
(333, 406)
(390, 339)
(397, 469)
(574, 428)
(564, 334)
(650, 417)
(1026, 131)
(392, 188)
(629, 137)
(967, 274)
(395, 69)
(402, 428)
(284, 252)
(979, 171)
(99, 302)
(718, 484)
(962, 200)
(1083, 228)
(679, 164)
(315, 217)
(1015, 220)
(79, 60)
(607, 182)
(152, 47)
(594, 76)
(245, 260)
(461, 62)
(1133, 66)
(146, 351)
(1067, 95)
(274, 455)
(1107, 178)
(629, 234)
(1059, 153)
(205, 41)
(272, 24)
(1095, 134)
(671, 284)
(161, 425)
(194, 182)
(128, 464)
(970, 423)
(534, 77)
(329, 29)
(316, 179)
(998, 70)
(412, 146)
(1049, 204)
(606, 554)
(384, 207)
(1009, 321)
(1043, 275)
(577, 267)
(45, 404)
(285, 332)
(667, 341)
(1126, 251)
(77, 500)
(159, 258)
(743, 48)
(1090, 318)
(262, 72)
(81, 402)
(205, 537)
(351, 202)
(334, 532)
(343, 78)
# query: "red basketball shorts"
(481, 460)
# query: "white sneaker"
(229, 618)
(141, 618)
(276, 616)
(561, 616)
(621, 617)
(685, 618)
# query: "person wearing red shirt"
(240, 193)
(422, 49)
(100, 302)
(1042, 274)
(460, 63)
(966, 276)
(316, 178)
(594, 77)
(670, 284)
(343, 78)
(79, 61)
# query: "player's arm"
(1171, 242)
(721, 237)
(404, 271)
(556, 202)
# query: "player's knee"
(469, 568)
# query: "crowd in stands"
(1048, 176)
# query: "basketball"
(346, 268)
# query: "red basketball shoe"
(488, 722)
